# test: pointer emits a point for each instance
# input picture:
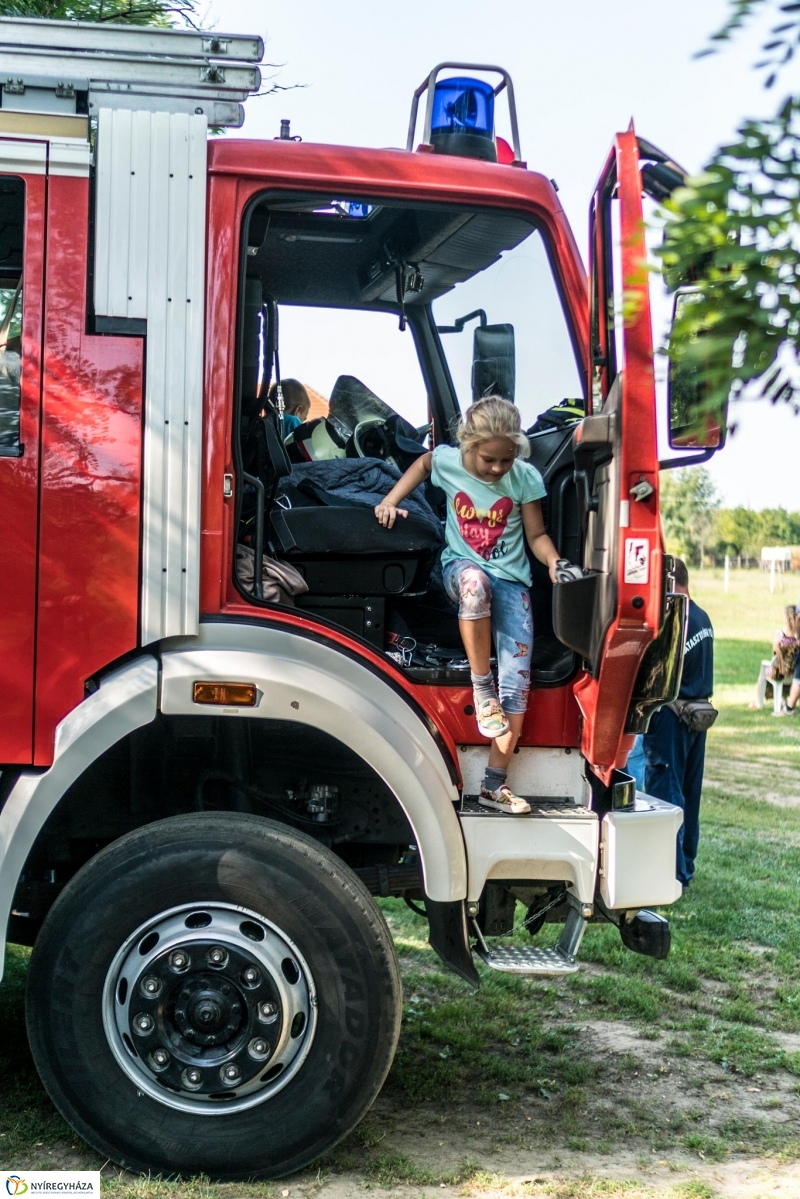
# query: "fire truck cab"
(207, 771)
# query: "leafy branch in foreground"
(782, 41)
(734, 232)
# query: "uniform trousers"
(674, 757)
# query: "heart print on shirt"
(482, 529)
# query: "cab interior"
(396, 317)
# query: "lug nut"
(217, 956)
(150, 986)
(159, 1059)
(258, 1049)
(143, 1024)
(267, 1012)
(179, 960)
(250, 976)
(230, 1074)
(191, 1078)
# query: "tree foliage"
(121, 12)
(688, 503)
(741, 531)
(733, 233)
(695, 524)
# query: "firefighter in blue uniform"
(674, 753)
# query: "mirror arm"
(688, 459)
(461, 321)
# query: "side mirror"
(494, 367)
(694, 422)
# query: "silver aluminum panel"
(129, 39)
(150, 264)
(19, 63)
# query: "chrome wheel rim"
(209, 1008)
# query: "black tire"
(297, 886)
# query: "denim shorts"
(480, 594)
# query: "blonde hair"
(491, 417)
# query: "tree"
(733, 233)
(121, 12)
(743, 531)
(688, 503)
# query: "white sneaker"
(504, 800)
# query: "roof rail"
(81, 67)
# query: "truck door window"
(518, 288)
(12, 224)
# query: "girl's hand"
(387, 514)
(552, 569)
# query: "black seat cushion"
(333, 532)
(344, 551)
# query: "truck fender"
(125, 700)
(308, 681)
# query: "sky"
(581, 70)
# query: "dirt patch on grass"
(782, 800)
(650, 1122)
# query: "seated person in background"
(790, 707)
(296, 403)
(784, 648)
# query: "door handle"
(12, 451)
(586, 501)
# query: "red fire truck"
(205, 779)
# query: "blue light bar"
(462, 122)
(353, 208)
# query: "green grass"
(747, 611)
(514, 1064)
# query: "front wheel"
(214, 994)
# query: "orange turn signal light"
(229, 695)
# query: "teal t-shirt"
(484, 520)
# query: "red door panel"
(91, 479)
(19, 479)
(624, 534)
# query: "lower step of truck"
(530, 959)
(513, 959)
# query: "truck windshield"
(517, 288)
(320, 344)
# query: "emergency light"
(459, 115)
(462, 121)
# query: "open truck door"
(612, 614)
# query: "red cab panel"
(23, 198)
(91, 478)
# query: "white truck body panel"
(638, 854)
(306, 681)
(534, 770)
(556, 847)
(125, 700)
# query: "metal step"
(543, 807)
(530, 959)
(527, 959)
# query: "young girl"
(492, 510)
